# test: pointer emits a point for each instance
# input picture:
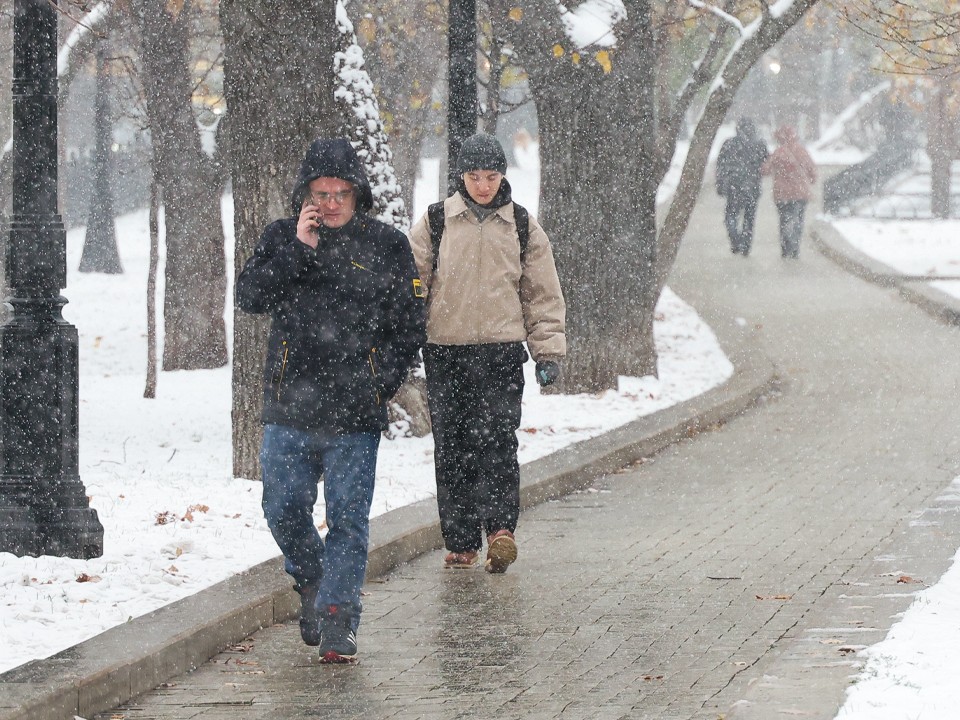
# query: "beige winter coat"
(480, 294)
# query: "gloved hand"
(547, 372)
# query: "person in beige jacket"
(491, 285)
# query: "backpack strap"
(436, 221)
(522, 218)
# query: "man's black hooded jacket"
(348, 318)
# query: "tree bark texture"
(150, 386)
(279, 98)
(195, 268)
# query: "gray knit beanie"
(481, 152)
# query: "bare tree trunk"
(598, 205)
(491, 112)
(100, 253)
(595, 217)
(941, 150)
(280, 97)
(195, 269)
(150, 387)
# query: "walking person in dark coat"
(347, 324)
(794, 172)
(491, 285)
(738, 179)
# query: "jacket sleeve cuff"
(548, 358)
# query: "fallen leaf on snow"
(188, 516)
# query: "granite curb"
(833, 245)
(123, 662)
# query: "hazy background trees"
(207, 95)
(916, 43)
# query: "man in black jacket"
(738, 179)
(348, 321)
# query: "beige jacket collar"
(458, 206)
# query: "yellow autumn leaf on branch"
(515, 14)
(575, 57)
(367, 30)
(558, 50)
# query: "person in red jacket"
(793, 174)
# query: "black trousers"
(739, 217)
(474, 393)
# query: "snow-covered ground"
(158, 472)
(912, 674)
(906, 196)
(920, 248)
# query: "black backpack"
(436, 221)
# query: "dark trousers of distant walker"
(475, 393)
(791, 226)
(739, 218)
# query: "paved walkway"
(732, 575)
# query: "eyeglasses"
(338, 198)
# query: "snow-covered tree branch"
(364, 126)
(726, 17)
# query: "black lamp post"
(43, 504)
(461, 82)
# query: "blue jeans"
(293, 461)
(791, 226)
